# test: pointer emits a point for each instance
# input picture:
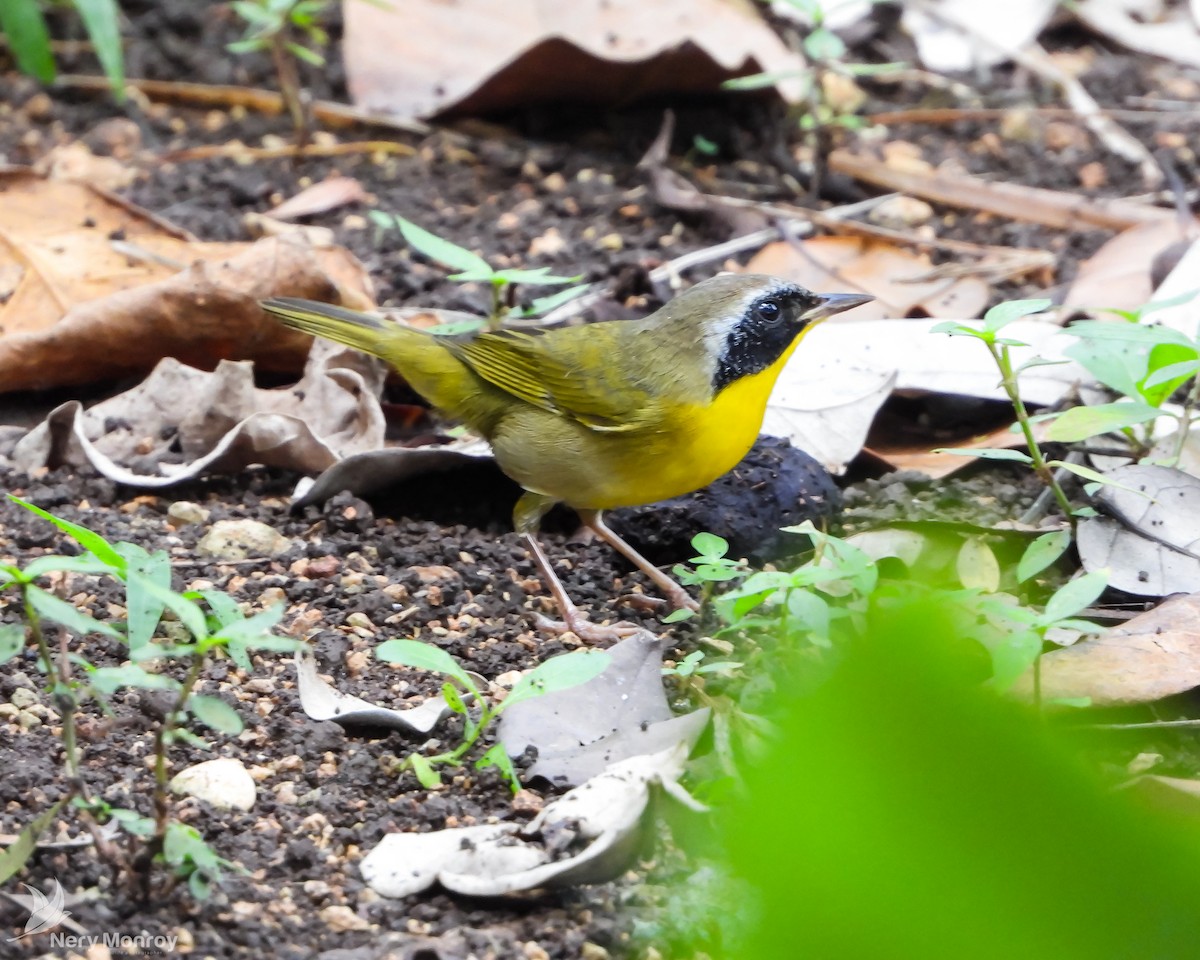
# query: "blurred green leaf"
(102, 20)
(22, 23)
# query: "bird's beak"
(830, 303)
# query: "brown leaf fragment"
(1152, 656)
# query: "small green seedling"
(1144, 363)
(289, 31)
(710, 567)
(474, 269)
(74, 680)
(818, 114)
(995, 320)
(694, 665)
(22, 22)
(464, 697)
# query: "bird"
(603, 415)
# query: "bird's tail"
(359, 330)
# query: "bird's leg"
(675, 594)
(528, 513)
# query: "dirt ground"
(325, 797)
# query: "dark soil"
(358, 573)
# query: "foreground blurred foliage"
(906, 811)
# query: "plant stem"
(1008, 380)
(170, 722)
(1185, 420)
(289, 88)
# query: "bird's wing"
(581, 384)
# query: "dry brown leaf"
(1152, 656)
(100, 289)
(480, 55)
(1013, 200)
(1119, 276)
(922, 456)
(322, 197)
(889, 273)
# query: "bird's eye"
(769, 311)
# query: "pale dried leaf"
(322, 197)
(483, 55)
(1152, 656)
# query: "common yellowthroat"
(611, 414)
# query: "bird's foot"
(585, 629)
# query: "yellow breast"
(693, 446)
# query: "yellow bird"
(603, 415)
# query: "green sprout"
(289, 31)
(472, 268)
(819, 112)
(23, 23)
(74, 680)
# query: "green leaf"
(709, 546)
(539, 277)
(977, 566)
(824, 45)
(456, 328)
(188, 611)
(543, 305)
(301, 52)
(1089, 474)
(759, 81)
(215, 713)
(12, 641)
(423, 656)
(955, 329)
(557, 673)
(144, 609)
(106, 680)
(52, 608)
(1002, 314)
(1167, 356)
(1133, 332)
(1040, 554)
(675, 616)
(454, 699)
(18, 852)
(428, 777)
(249, 45)
(92, 542)
(1074, 596)
(132, 821)
(988, 453)
(443, 251)
(497, 757)
(102, 20)
(1079, 423)
(1181, 371)
(1012, 655)
(22, 23)
(56, 564)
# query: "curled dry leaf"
(605, 814)
(320, 701)
(329, 194)
(1153, 29)
(1150, 539)
(1152, 656)
(220, 422)
(81, 307)
(621, 713)
(482, 55)
(1119, 276)
(958, 35)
